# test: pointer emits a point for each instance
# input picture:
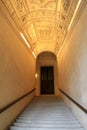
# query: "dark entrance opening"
(47, 80)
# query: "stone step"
(48, 113)
(47, 121)
(48, 118)
(49, 108)
(52, 125)
(25, 128)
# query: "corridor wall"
(17, 69)
(72, 68)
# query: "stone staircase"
(47, 113)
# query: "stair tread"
(38, 128)
(52, 125)
(47, 121)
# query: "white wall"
(17, 69)
(72, 67)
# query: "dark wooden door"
(47, 80)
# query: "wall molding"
(76, 103)
(15, 101)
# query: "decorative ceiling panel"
(43, 23)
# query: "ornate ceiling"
(43, 23)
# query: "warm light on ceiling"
(43, 24)
(27, 43)
(59, 5)
(31, 32)
(79, 2)
(25, 39)
(33, 54)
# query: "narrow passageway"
(43, 50)
(47, 113)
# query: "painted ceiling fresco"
(44, 23)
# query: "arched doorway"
(46, 69)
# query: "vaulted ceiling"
(43, 23)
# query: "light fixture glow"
(25, 39)
(79, 2)
(33, 54)
(36, 75)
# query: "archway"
(46, 74)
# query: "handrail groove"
(15, 101)
(81, 107)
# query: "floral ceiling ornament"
(19, 5)
(66, 4)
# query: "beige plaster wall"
(17, 69)
(72, 67)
